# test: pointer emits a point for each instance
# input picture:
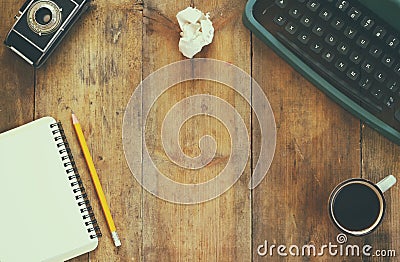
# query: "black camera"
(40, 27)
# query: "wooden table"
(95, 71)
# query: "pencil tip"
(74, 119)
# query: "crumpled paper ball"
(197, 31)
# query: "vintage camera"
(40, 27)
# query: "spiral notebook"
(45, 213)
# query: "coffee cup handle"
(386, 183)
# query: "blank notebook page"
(40, 218)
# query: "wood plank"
(317, 147)
(93, 73)
(218, 230)
(380, 159)
(17, 77)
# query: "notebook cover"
(41, 219)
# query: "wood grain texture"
(381, 158)
(94, 72)
(317, 147)
(16, 92)
(218, 230)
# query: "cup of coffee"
(357, 206)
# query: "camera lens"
(44, 17)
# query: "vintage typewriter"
(349, 49)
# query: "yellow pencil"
(96, 181)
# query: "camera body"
(40, 27)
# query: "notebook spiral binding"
(76, 182)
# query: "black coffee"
(356, 207)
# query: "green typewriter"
(349, 49)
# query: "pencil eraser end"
(115, 237)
